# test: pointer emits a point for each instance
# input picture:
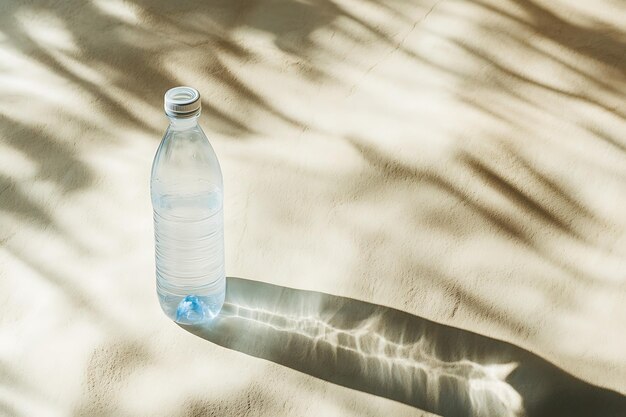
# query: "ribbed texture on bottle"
(189, 254)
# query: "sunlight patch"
(47, 30)
(117, 9)
(15, 165)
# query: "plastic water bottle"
(187, 198)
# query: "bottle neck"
(183, 123)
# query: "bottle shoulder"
(185, 155)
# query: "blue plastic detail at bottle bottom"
(192, 309)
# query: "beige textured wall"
(461, 161)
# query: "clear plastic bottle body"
(187, 198)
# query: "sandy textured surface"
(394, 170)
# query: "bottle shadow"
(393, 354)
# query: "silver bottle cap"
(182, 102)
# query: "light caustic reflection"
(407, 370)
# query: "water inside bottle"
(189, 254)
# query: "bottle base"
(192, 309)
